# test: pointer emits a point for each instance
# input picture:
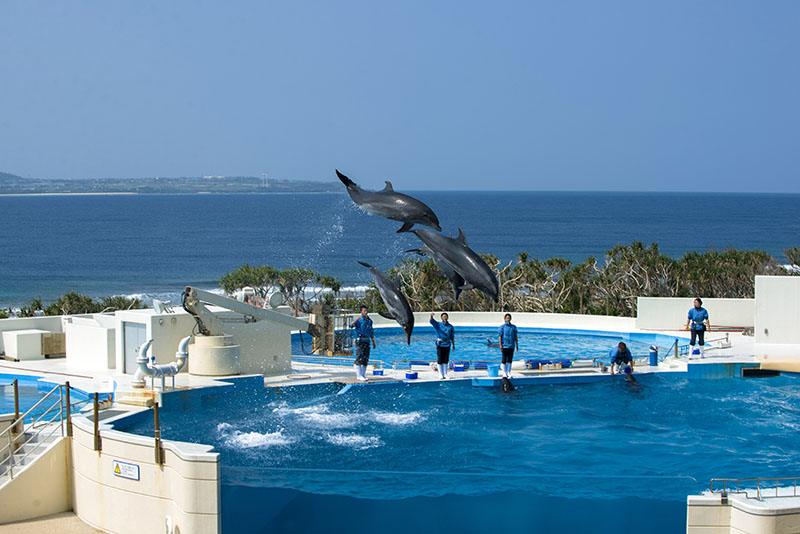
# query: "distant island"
(11, 184)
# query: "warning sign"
(125, 470)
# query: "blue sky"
(641, 96)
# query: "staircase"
(34, 445)
(41, 426)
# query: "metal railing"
(29, 431)
(760, 483)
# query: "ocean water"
(154, 245)
(484, 457)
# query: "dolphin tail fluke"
(345, 180)
(406, 227)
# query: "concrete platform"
(63, 523)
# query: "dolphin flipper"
(345, 180)
(406, 226)
(387, 315)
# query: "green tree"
(72, 303)
(262, 279)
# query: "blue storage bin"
(411, 375)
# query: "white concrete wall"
(266, 348)
(186, 488)
(777, 314)
(90, 345)
(49, 324)
(666, 313)
(165, 329)
(23, 344)
(705, 514)
(39, 489)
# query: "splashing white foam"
(398, 419)
(320, 416)
(247, 440)
(354, 441)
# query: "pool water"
(471, 344)
(29, 394)
(468, 452)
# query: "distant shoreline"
(65, 194)
(129, 193)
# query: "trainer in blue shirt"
(363, 335)
(621, 357)
(445, 340)
(698, 319)
(508, 342)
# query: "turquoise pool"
(471, 344)
(31, 389)
(602, 457)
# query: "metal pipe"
(157, 432)
(69, 412)
(148, 367)
(97, 444)
(16, 430)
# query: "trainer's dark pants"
(508, 354)
(442, 355)
(362, 353)
(698, 334)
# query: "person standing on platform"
(698, 321)
(508, 342)
(445, 341)
(364, 334)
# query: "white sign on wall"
(125, 470)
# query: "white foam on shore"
(354, 441)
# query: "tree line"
(555, 285)
(608, 286)
(73, 303)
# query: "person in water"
(445, 341)
(364, 334)
(698, 321)
(508, 342)
(621, 358)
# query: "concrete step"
(145, 398)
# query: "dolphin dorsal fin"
(461, 237)
(388, 186)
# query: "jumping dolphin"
(395, 301)
(462, 259)
(392, 205)
(452, 276)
